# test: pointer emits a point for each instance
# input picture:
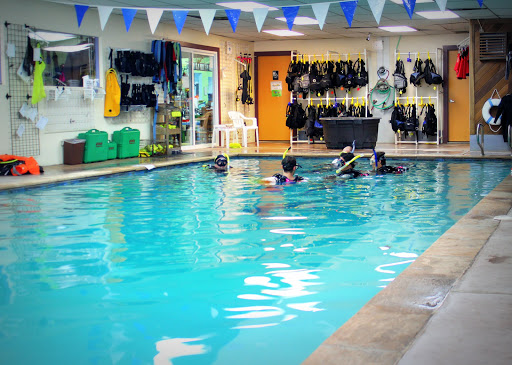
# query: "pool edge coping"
(383, 330)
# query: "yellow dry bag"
(112, 95)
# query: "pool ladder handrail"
(480, 131)
(510, 136)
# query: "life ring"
(486, 112)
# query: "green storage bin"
(96, 148)
(128, 140)
(112, 150)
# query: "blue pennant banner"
(480, 2)
(179, 18)
(349, 8)
(233, 16)
(409, 6)
(80, 12)
(376, 6)
(128, 15)
(290, 12)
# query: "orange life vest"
(24, 165)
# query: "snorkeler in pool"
(347, 166)
(221, 163)
(289, 164)
(381, 168)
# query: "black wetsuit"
(351, 173)
(281, 179)
(390, 170)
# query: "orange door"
(272, 109)
(458, 103)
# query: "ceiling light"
(283, 33)
(447, 14)
(398, 28)
(245, 6)
(301, 20)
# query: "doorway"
(457, 103)
(198, 85)
(272, 67)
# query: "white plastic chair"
(239, 122)
(226, 129)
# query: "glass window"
(68, 57)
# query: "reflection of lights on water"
(289, 317)
(383, 248)
(255, 326)
(171, 348)
(285, 218)
(390, 279)
(380, 268)
(306, 307)
(403, 254)
(269, 249)
(287, 245)
(288, 231)
(254, 297)
(259, 280)
(300, 249)
(276, 266)
(255, 312)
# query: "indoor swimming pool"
(185, 265)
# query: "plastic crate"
(112, 150)
(127, 140)
(74, 151)
(96, 148)
(341, 132)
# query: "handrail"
(510, 136)
(480, 131)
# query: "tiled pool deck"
(453, 305)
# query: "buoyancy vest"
(18, 165)
(112, 95)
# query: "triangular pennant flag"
(207, 18)
(376, 6)
(259, 16)
(441, 4)
(409, 6)
(349, 8)
(233, 16)
(290, 12)
(179, 18)
(128, 15)
(154, 16)
(80, 12)
(104, 12)
(320, 11)
(480, 2)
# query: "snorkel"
(375, 158)
(286, 151)
(347, 164)
(227, 158)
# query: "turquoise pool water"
(187, 266)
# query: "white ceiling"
(336, 25)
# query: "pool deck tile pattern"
(453, 305)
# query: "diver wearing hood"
(347, 166)
(289, 164)
(221, 163)
(381, 168)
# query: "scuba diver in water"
(221, 163)
(289, 164)
(346, 166)
(381, 168)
